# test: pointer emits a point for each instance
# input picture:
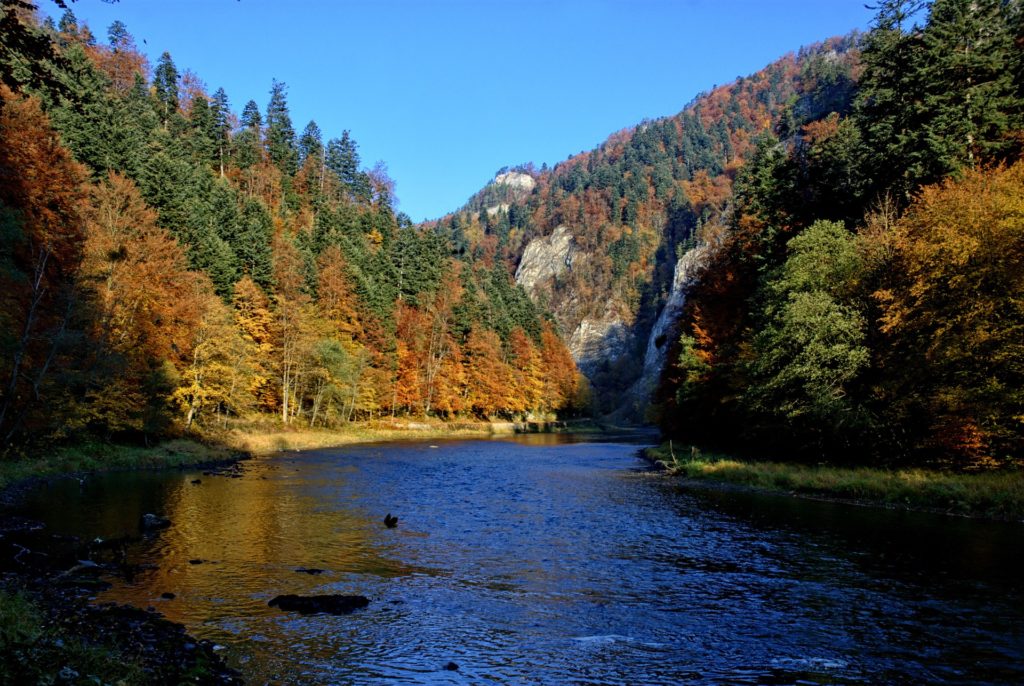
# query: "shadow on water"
(554, 558)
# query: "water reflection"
(547, 559)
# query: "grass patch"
(95, 456)
(994, 495)
(260, 436)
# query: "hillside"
(596, 238)
(862, 300)
(169, 264)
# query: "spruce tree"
(221, 126)
(343, 160)
(202, 134)
(310, 143)
(165, 87)
(247, 147)
(280, 134)
(971, 99)
(251, 118)
(117, 35)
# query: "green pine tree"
(280, 134)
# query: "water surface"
(549, 560)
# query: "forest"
(168, 265)
(640, 200)
(859, 204)
(863, 297)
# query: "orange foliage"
(336, 298)
(143, 286)
(42, 201)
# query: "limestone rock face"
(658, 343)
(599, 339)
(544, 259)
(516, 180)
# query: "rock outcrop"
(516, 180)
(659, 341)
(544, 259)
(599, 340)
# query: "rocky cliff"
(660, 339)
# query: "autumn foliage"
(196, 267)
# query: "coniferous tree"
(203, 132)
(343, 160)
(280, 134)
(310, 143)
(165, 88)
(68, 22)
(971, 99)
(221, 126)
(247, 144)
(117, 35)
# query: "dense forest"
(863, 297)
(166, 264)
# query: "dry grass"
(260, 439)
(995, 495)
(254, 437)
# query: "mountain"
(597, 238)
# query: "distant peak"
(516, 180)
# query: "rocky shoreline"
(54, 632)
(57, 634)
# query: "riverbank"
(239, 440)
(81, 459)
(270, 437)
(52, 632)
(988, 495)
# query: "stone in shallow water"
(150, 522)
(311, 604)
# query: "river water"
(554, 559)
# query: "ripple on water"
(547, 562)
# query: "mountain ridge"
(597, 236)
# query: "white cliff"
(544, 259)
(658, 343)
(516, 180)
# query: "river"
(555, 559)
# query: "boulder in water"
(312, 604)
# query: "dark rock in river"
(389, 521)
(196, 561)
(309, 570)
(311, 604)
(168, 596)
(150, 522)
(452, 667)
(197, 481)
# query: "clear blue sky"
(446, 92)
